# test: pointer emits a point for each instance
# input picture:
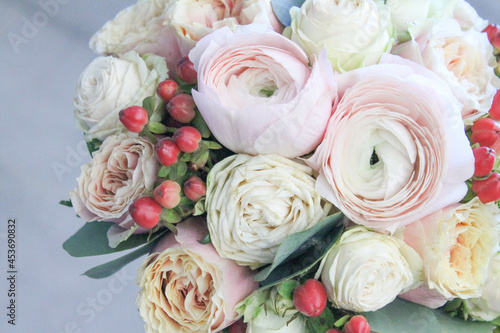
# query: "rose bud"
(146, 212)
(488, 190)
(186, 72)
(166, 151)
(194, 188)
(495, 107)
(187, 138)
(167, 89)
(486, 132)
(181, 108)
(310, 298)
(484, 161)
(357, 324)
(134, 118)
(168, 194)
(492, 31)
(238, 327)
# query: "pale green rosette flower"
(355, 32)
(111, 84)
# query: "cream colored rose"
(463, 59)
(487, 307)
(186, 287)
(355, 32)
(194, 19)
(109, 85)
(140, 28)
(123, 169)
(254, 203)
(366, 270)
(456, 244)
(269, 322)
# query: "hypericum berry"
(185, 71)
(333, 330)
(487, 190)
(146, 212)
(187, 138)
(357, 324)
(182, 108)
(194, 188)
(167, 152)
(310, 298)
(486, 132)
(484, 161)
(492, 31)
(495, 107)
(167, 89)
(134, 118)
(238, 327)
(168, 194)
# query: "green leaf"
(157, 128)
(287, 288)
(66, 203)
(321, 323)
(200, 156)
(110, 268)
(199, 208)
(171, 216)
(186, 157)
(212, 145)
(149, 104)
(342, 321)
(199, 123)
(164, 171)
(91, 240)
(206, 240)
(299, 252)
(93, 146)
(178, 170)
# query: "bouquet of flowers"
(296, 166)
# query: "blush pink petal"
(424, 296)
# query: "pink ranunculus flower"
(395, 148)
(456, 244)
(258, 94)
(187, 287)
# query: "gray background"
(40, 157)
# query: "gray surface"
(37, 134)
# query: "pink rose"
(187, 287)
(395, 148)
(258, 94)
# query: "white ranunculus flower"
(139, 27)
(109, 85)
(355, 32)
(367, 270)
(456, 244)
(487, 307)
(269, 322)
(122, 170)
(254, 203)
(463, 59)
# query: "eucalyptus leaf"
(454, 325)
(302, 251)
(92, 240)
(281, 9)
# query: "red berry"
(187, 138)
(487, 190)
(166, 151)
(194, 188)
(146, 212)
(310, 298)
(168, 194)
(484, 161)
(185, 71)
(167, 89)
(182, 108)
(492, 30)
(238, 327)
(495, 107)
(486, 132)
(357, 324)
(333, 330)
(134, 118)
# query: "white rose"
(122, 170)
(194, 19)
(109, 85)
(254, 203)
(487, 307)
(366, 270)
(269, 322)
(355, 32)
(140, 28)
(456, 244)
(463, 59)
